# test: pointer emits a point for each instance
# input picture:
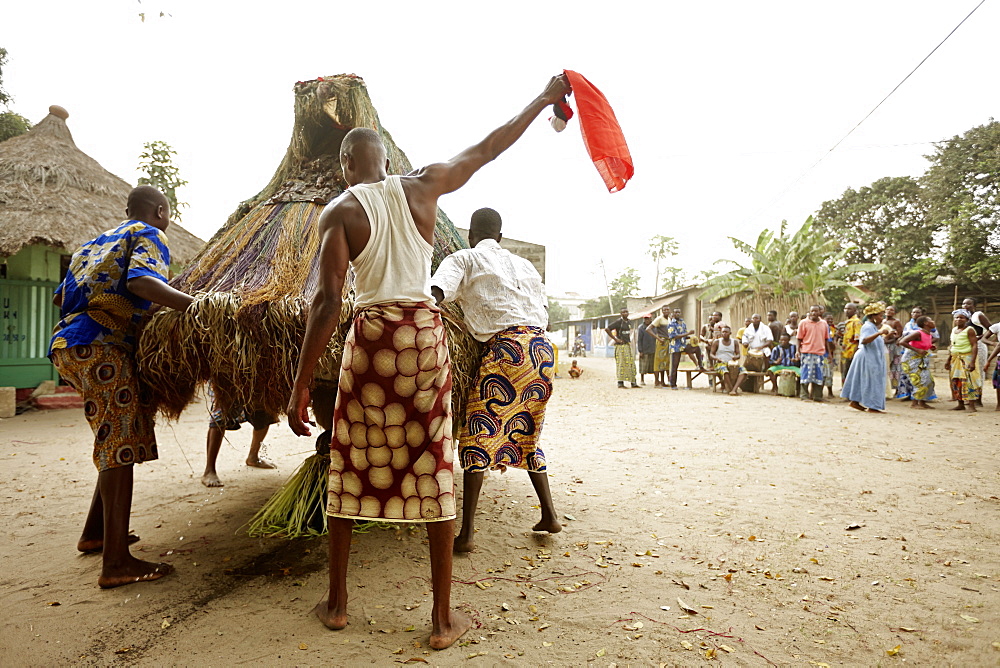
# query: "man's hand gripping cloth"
(391, 454)
(601, 133)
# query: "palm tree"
(793, 269)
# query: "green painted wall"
(34, 263)
(27, 316)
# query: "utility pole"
(607, 288)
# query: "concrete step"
(59, 400)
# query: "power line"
(874, 109)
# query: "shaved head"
(145, 199)
(361, 143)
(363, 157)
(485, 224)
(149, 205)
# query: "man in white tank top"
(391, 452)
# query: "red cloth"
(601, 133)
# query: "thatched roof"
(53, 193)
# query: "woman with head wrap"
(962, 366)
(980, 324)
(866, 378)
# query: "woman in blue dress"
(864, 386)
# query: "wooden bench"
(753, 382)
(691, 374)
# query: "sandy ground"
(741, 510)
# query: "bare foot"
(872, 410)
(211, 480)
(464, 543)
(96, 545)
(856, 406)
(332, 619)
(734, 393)
(960, 407)
(550, 525)
(136, 570)
(261, 463)
(445, 635)
(971, 408)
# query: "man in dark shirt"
(646, 344)
(620, 333)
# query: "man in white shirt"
(503, 299)
(757, 339)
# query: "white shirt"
(755, 340)
(495, 288)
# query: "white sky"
(724, 104)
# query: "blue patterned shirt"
(674, 327)
(97, 307)
(783, 356)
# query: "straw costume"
(254, 282)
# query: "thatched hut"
(257, 276)
(53, 197)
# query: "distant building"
(533, 253)
(573, 301)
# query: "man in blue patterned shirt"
(678, 335)
(108, 290)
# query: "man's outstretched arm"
(324, 314)
(446, 177)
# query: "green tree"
(557, 312)
(157, 162)
(787, 266)
(12, 124)
(673, 278)
(5, 98)
(660, 248)
(885, 223)
(963, 191)
(625, 285)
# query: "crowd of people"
(879, 356)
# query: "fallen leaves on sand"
(686, 645)
(547, 644)
(601, 652)
(123, 650)
(475, 654)
(413, 659)
(165, 624)
(894, 651)
(53, 603)
(970, 619)
(852, 527)
(681, 583)
(686, 608)
(302, 645)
